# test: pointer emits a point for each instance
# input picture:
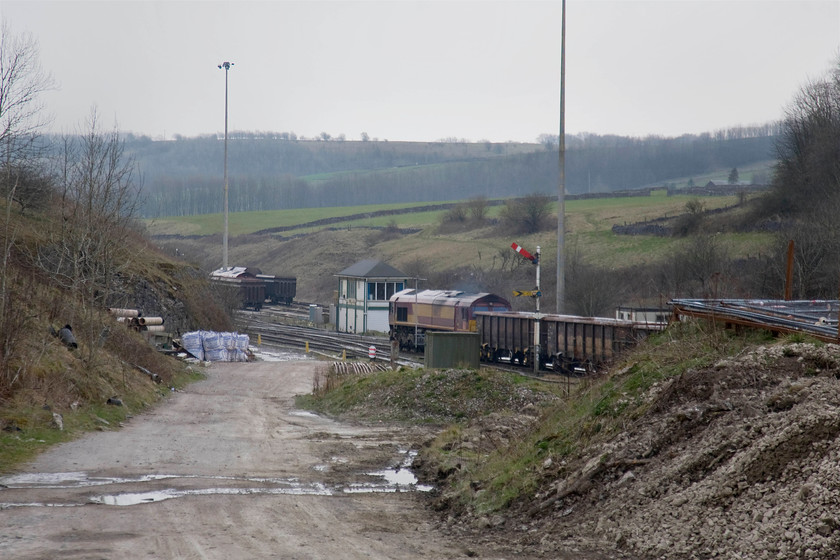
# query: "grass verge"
(433, 397)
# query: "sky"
(425, 70)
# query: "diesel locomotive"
(411, 313)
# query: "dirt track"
(226, 469)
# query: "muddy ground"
(226, 469)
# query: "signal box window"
(382, 291)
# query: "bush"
(527, 215)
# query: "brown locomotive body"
(411, 313)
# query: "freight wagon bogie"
(408, 339)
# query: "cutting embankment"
(701, 443)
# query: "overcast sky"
(426, 70)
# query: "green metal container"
(452, 350)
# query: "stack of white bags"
(211, 346)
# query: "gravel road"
(225, 469)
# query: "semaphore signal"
(524, 253)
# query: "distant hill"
(274, 171)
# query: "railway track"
(352, 346)
(299, 336)
(289, 327)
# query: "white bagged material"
(211, 340)
(216, 355)
(217, 347)
(192, 343)
(228, 341)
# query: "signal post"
(535, 260)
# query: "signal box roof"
(371, 268)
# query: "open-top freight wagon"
(279, 289)
(253, 288)
(568, 343)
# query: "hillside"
(269, 172)
(51, 391)
(470, 256)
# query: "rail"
(817, 318)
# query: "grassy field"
(472, 255)
(242, 223)
(581, 216)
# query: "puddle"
(73, 480)
(402, 477)
(277, 355)
(135, 498)
(304, 413)
(399, 479)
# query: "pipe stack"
(133, 319)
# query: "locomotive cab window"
(402, 313)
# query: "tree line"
(268, 172)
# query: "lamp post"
(561, 183)
(226, 66)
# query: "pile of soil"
(737, 460)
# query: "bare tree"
(99, 197)
(806, 185)
(592, 290)
(692, 220)
(27, 184)
(816, 246)
(21, 83)
(808, 169)
(700, 268)
(478, 208)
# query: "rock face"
(741, 460)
